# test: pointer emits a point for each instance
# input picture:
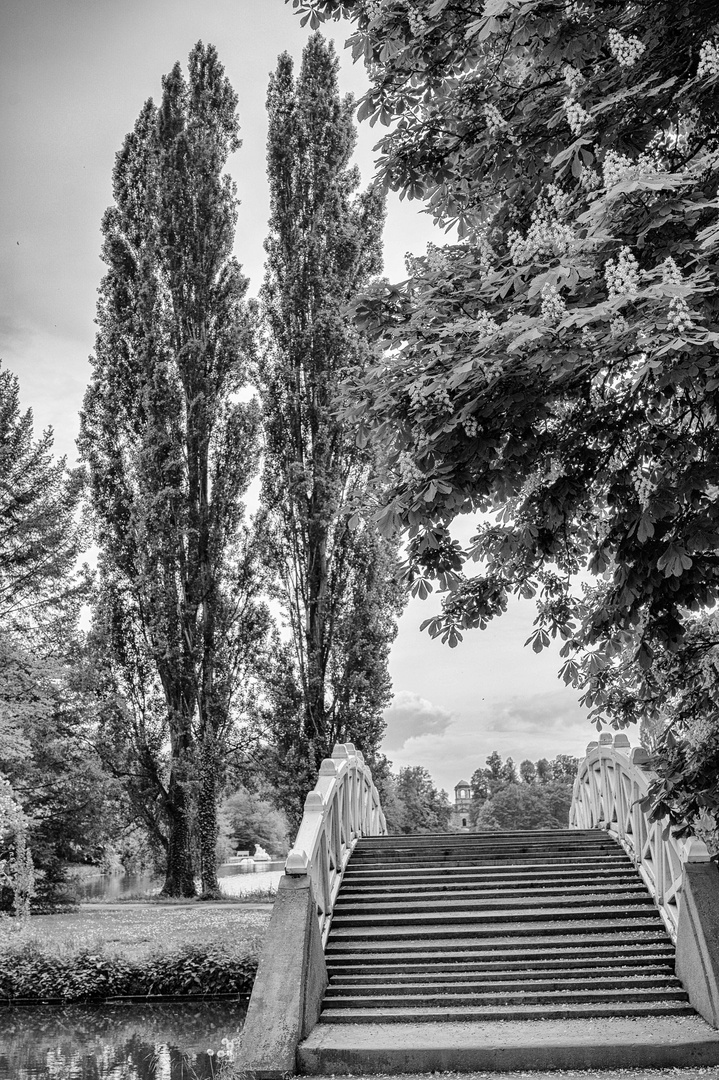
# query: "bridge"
(591, 947)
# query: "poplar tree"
(335, 576)
(170, 448)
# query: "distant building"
(460, 810)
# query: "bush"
(191, 971)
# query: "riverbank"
(132, 950)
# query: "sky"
(74, 75)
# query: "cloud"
(411, 716)
(543, 712)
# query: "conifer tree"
(171, 449)
(335, 576)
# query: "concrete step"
(501, 994)
(455, 965)
(478, 901)
(493, 923)
(642, 1042)
(564, 1008)
(461, 868)
(522, 857)
(527, 886)
(507, 983)
(603, 938)
(456, 982)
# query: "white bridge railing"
(609, 786)
(343, 806)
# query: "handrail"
(343, 806)
(609, 785)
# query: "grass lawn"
(137, 930)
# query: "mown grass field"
(138, 930)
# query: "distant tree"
(526, 806)
(336, 578)
(528, 771)
(509, 772)
(425, 809)
(254, 820)
(40, 538)
(544, 771)
(564, 768)
(171, 448)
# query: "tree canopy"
(171, 447)
(557, 367)
(335, 574)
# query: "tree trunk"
(207, 815)
(179, 879)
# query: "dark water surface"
(118, 1042)
(118, 886)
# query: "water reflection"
(118, 1042)
(119, 886)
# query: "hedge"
(193, 971)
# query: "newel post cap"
(329, 767)
(314, 801)
(591, 746)
(606, 738)
(297, 862)
(639, 756)
(621, 741)
(340, 751)
(696, 851)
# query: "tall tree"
(335, 575)
(560, 364)
(40, 540)
(170, 446)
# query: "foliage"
(335, 576)
(29, 974)
(40, 540)
(171, 448)
(73, 807)
(17, 872)
(559, 365)
(526, 806)
(422, 808)
(541, 801)
(253, 820)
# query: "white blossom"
(494, 118)
(547, 234)
(622, 276)
(679, 315)
(573, 78)
(577, 116)
(709, 60)
(625, 50)
(553, 306)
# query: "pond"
(233, 880)
(119, 1042)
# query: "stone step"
(500, 841)
(528, 885)
(452, 984)
(537, 961)
(524, 857)
(497, 901)
(457, 973)
(554, 1009)
(502, 995)
(603, 936)
(642, 1042)
(480, 919)
(468, 866)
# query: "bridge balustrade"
(343, 806)
(610, 783)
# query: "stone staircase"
(481, 929)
